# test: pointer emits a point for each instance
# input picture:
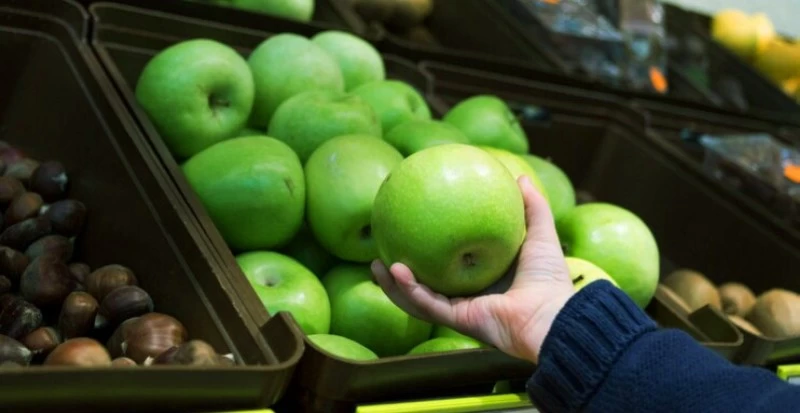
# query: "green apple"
(559, 189)
(617, 241)
(300, 10)
(253, 188)
(307, 120)
(517, 166)
(583, 272)
(286, 65)
(488, 121)
(342, 347)
(454, 215)
(444, 345)
(445, 332)
(306, 250)
(359, 61)
(361, 311)
(197, 93)
(283, 284)
(394, 102)
(342, 178)
(418, 134)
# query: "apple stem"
(468, 259)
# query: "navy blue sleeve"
(603, 354)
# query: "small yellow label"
(792, 173)
(658, 80)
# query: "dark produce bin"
(323, 381)
(459, 29)
(56, 103)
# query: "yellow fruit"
(780, 60)
(791, 86)
(737, 31)
(765, 31)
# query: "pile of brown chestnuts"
(56, 312)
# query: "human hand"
(516, 320)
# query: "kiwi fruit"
(776, 314)
(694, 288)
(743, 324)
(374, 10)
(737, 298)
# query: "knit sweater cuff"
(587, 337)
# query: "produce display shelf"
(57, 103)
(125, 38)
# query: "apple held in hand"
(583, 272)
(342, 179)
(394, 102)
(444, 345)
(454, 215)
(362, 312)
(342, 347)
(286, 65)
(307, 120)
(300, 10)
(560, 192)
(197, 93)
(617, 241)
(488, 121)
(418, 134)
(253, 188)
(283, 284)
(359, 61)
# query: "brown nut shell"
(81, 352)
(21, 170)
(123, 362)
(77, 315)
(124, 303)
(5, 284)
(13, 263)
(18, 317)
(46, 282)
(57, 246)
(50, 180)
(23, 207)
(67, 217)
(147, 336)
(10, 188)
(106, 279)
(22, 234)
(14, 351)
(42, 340)
(191, 353)
(79, 271)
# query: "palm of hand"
(514, 318)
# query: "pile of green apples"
(291, 150)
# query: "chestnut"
(57, 246)
(79, 271)
(21, 170)
(124, 303)
(46, 282)
(42, 341)
(67, 216)
(17, 316)
(123, 362)
(82, 352)
(10, 154)
(23, 207)
(77, 315)
(14, 351)
(105, 279)
(12, 263)
(5, 284)
(50, 181)
(192, 353)
(10, 188)
(147, 336)
(22, 234)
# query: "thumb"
(538, 217)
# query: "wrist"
(542, 323)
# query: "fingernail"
(525, 180)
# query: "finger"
(538, 216)
(432, 306)
(387, 282)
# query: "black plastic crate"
(57, 103)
